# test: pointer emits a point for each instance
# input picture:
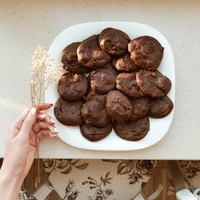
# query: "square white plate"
(158, 127)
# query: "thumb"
(28, 123)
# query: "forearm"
(9, 186)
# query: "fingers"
(46, 133)
(43, 125)
(43, 106)
(28, 123)
(35, 139)
(31, 118)
(17, 125)
(45, 117)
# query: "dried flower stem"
(42, 64)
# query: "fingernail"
(55, 129)
(55, 136)
(52, 121)
(32, 111)
(51, 104)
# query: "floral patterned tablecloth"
(75, 179)
(191, 171)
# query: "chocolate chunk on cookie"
(126, 83)
(118, 106)
(72, 87)
(93, 110)
(132, 130)
(103, 79)
(124, 63)
(160, 107)
(153, 83)
(93, 133)
(114, 41)
(91, 55)
(146, 52)
(140, 108)
(68, 113)
(70, 60)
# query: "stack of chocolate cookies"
(112, 81)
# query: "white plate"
(158, 127)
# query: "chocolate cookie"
(118, 106)
(103, 79)
(146, 52)
(160, 107)
(140, 108)
(93, 110)
(153, 84)
(114, 41)
(132, 130)
(70, 60)
(93, 133)
(124, 63)
(126, 82)
(68, 113)
(72, 87)
(91, 55)
(89, 87)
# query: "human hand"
(22, 144)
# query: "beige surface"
(25, 24)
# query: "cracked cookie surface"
(146, 52)
(93, 110)
(160, 107)
(118, 106)
(114, 41)
(93, 133)
(70, 60)
(126, 83)
(68, 113)
(103, 80)
(153, 83)
(72, 87)
(91, 55)
(124, 63)
(140, 108)
(132, 130)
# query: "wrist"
(9, 170)
(9, 185)
(10, 178)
